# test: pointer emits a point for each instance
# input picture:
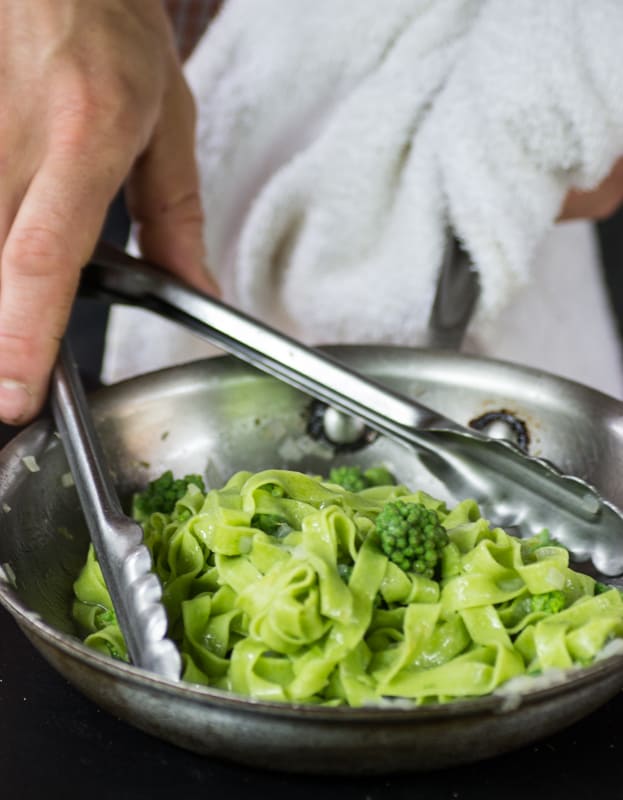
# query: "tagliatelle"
(314, 612)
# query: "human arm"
(91, 94)
(598, 203)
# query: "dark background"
(611, 241)
(56, 743)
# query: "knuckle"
(76, 94)
(108, 110)
(24, 349)
(36, 250)
(121, 101)
(187, 209)
(18, 349)
(184, 208)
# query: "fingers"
(163, 193)
(50, 239)
(83, 87)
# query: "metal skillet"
(219, 415)
(230, 416)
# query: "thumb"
(162, 193)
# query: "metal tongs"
(511, 488)
(125, 561)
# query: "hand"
(90, 93)
(599, 203)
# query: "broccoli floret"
(350, 478)
(412, 536)
(354, 479)
(107, 618)
(274, 489)
(345, 571)
(548, 602)
(162, 494)
(272, 524)
(534, 543)
(600, 588)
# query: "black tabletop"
(56, 743)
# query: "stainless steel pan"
(217, 416)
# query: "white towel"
(338, 138)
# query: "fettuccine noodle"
(314, 612)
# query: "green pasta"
(276, 587)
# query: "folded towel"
(338, 140)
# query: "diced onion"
(67, 480)
(30, 462)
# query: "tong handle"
(250, 340)
(118, 540)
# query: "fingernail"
(15, 400)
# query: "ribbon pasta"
(314, 612)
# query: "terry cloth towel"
(338, 138)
